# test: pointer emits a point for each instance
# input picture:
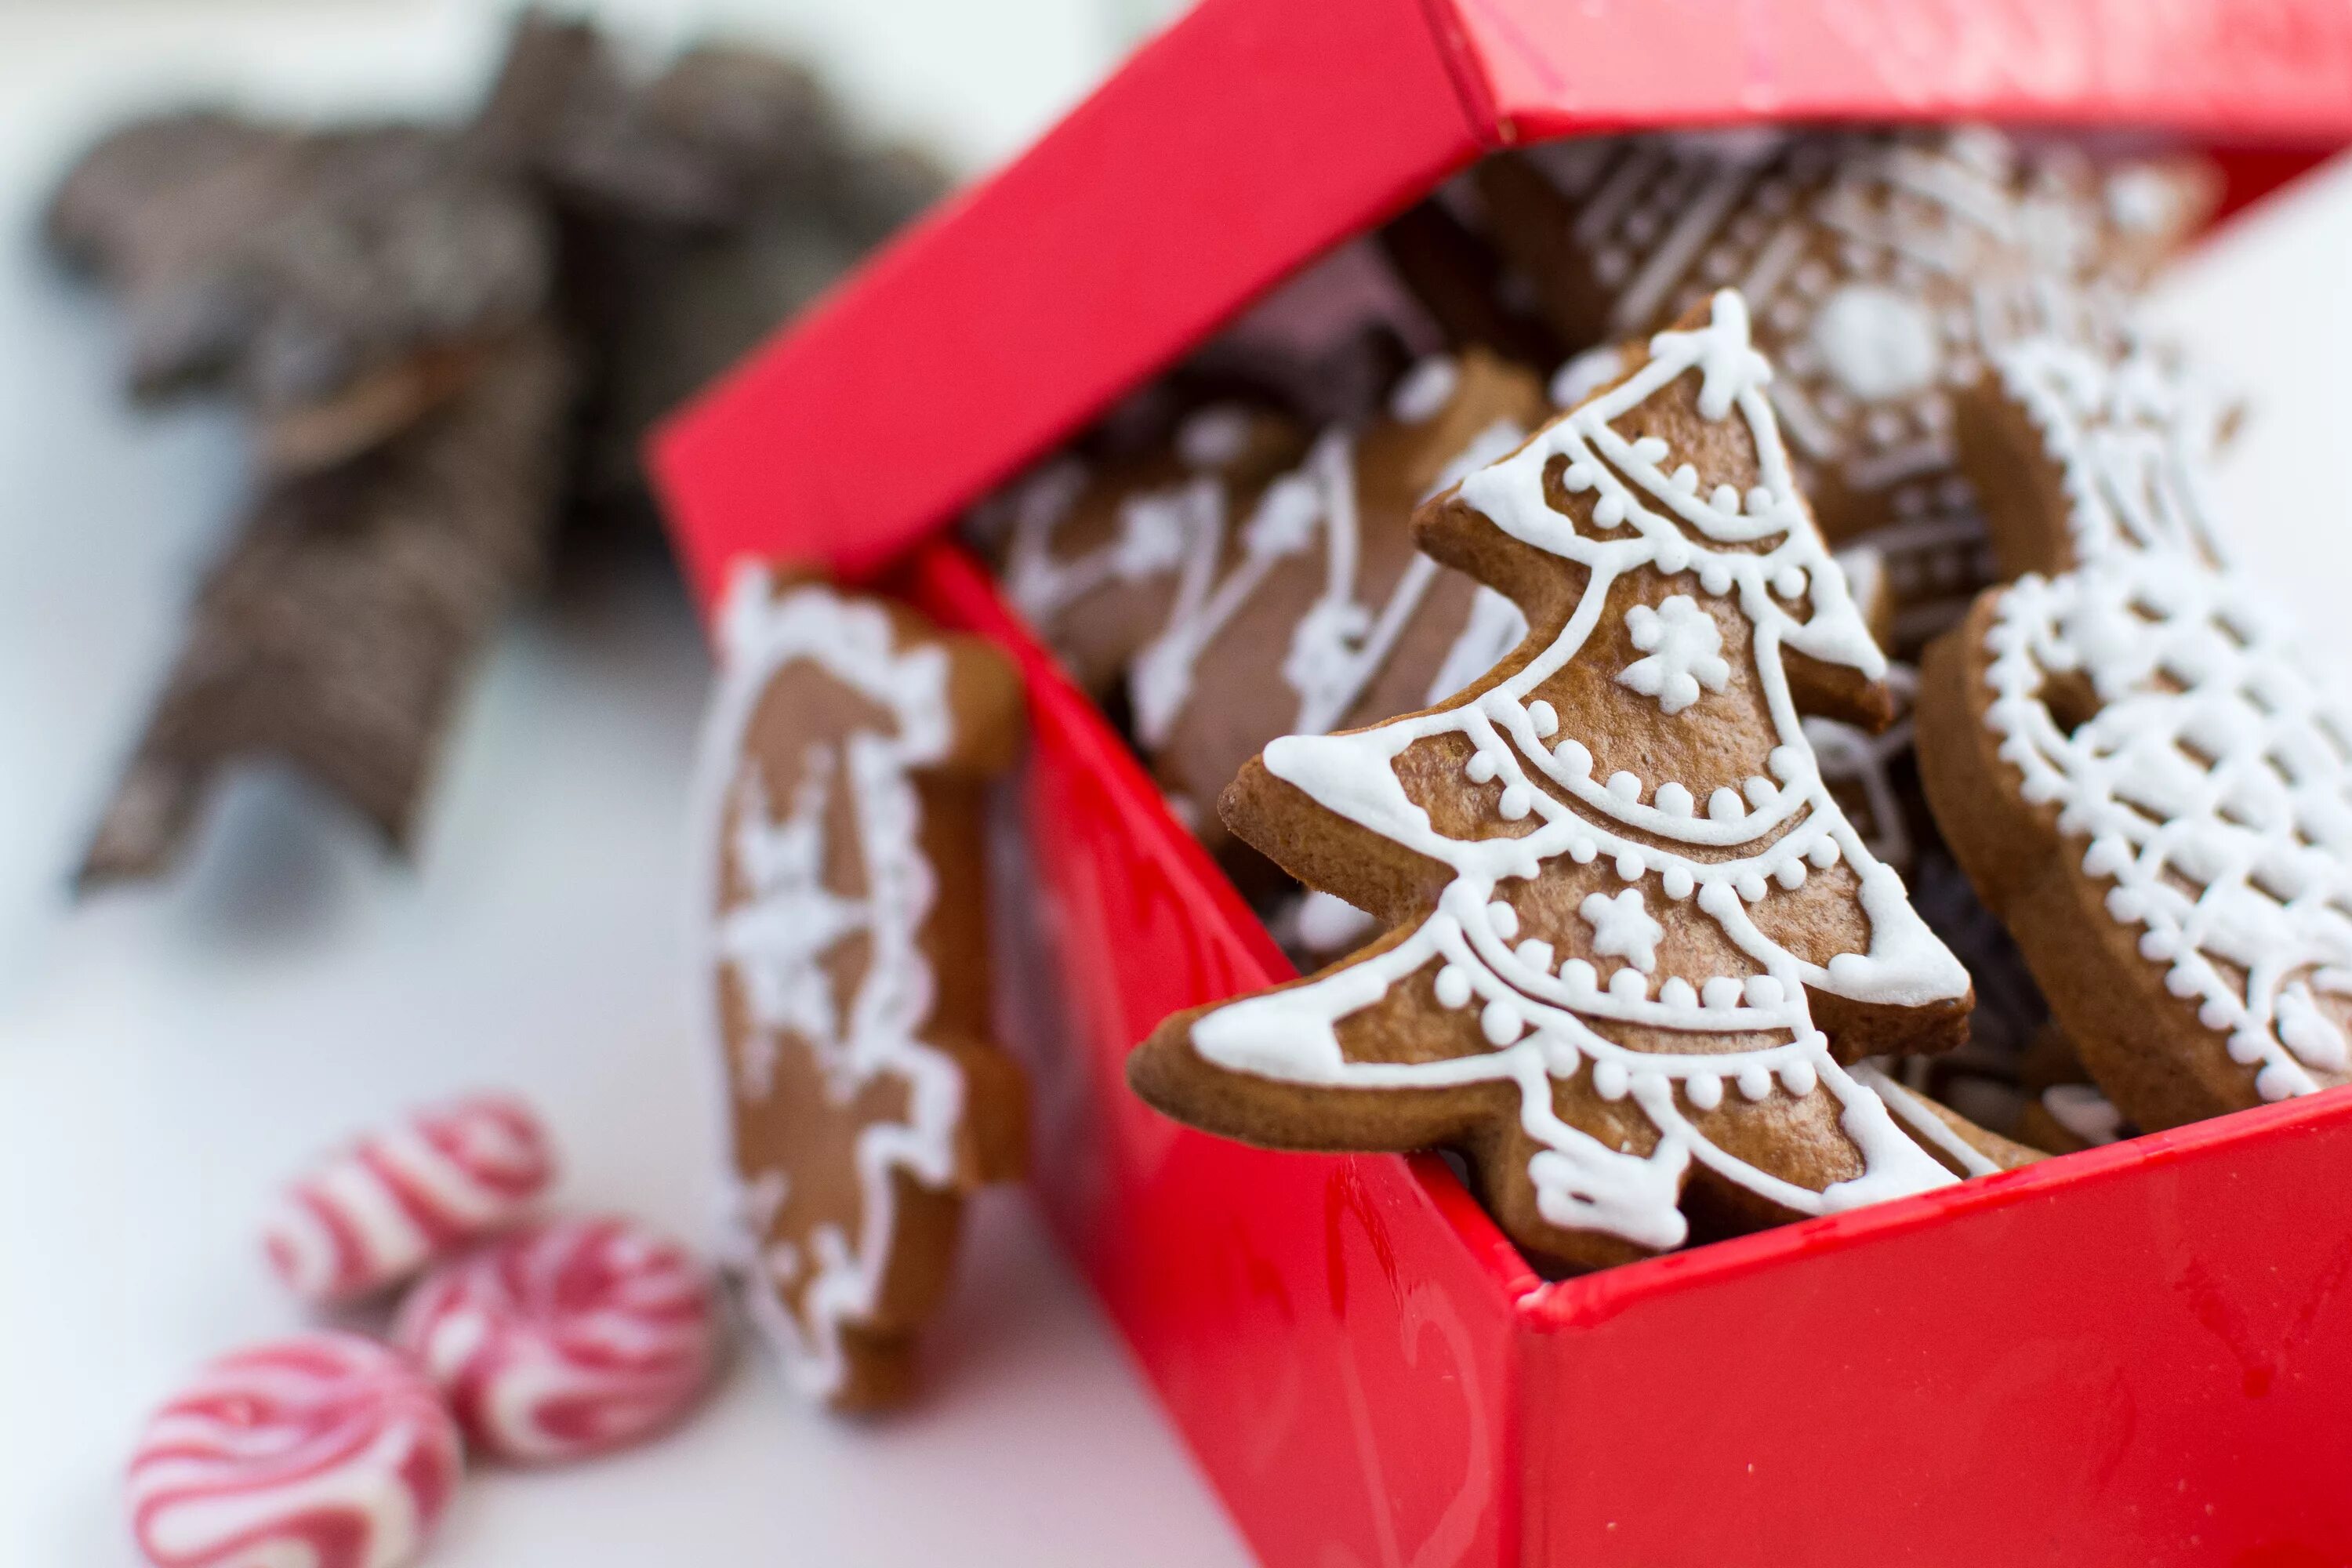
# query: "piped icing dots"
(1642, 509)
(2211, 790)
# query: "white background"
(166, 1056)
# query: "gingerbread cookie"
(2130, 756)
(844, 964)
(1318, 612)
(1875, 779)
(2067, 1118)
(1097, 557)
(1881, 267)
(1632, 937)
(1962, 1146)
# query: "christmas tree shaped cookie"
(844, 966)
(1631, 939)
(2130, 754)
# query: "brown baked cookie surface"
(845, 964)
(1319, 612)
(1097, 556)
(1632, 939)
(2129, 753)
(1881, 267)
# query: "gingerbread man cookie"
(1882, 268)
(1633, 940)
(2128, 752)
(844, 964)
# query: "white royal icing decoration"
(1326, 924)
(2082, 1111)
(1585, 374)
(1340, 643)
(2213, 786)
(1941, 246)
(1686, 653)
(1157, 530)
(1622, 928)
(1912, 1111)
(1878, 344)
(775, 941)
(1537, 1019)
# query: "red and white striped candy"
(395, 1201)
(566, 1339)
(324, 1450)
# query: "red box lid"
(1256, 133)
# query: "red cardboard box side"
(1336, 1336)
(1242, 142)
(2131, 1354)
(1364, 1366)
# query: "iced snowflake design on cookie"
(2131, 755)
(1622, 928)
(1685, 649)
(1882, 270)
(845, 967)
(1630, 947)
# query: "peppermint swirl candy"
(567, 1339)
(323, 1450)
(381, 1210)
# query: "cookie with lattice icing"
(844, 965)
(1633, 941)
(1097, 556)
(2130, 753)
(1318, 612)
(1882, 268)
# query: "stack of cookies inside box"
(1721, 645)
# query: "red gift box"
(2139, 1353)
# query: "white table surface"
(167, 1057)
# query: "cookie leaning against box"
(2129, 753)
(1881, 267)
(845, 963)
(1633, 940)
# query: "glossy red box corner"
(2134, 1354)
